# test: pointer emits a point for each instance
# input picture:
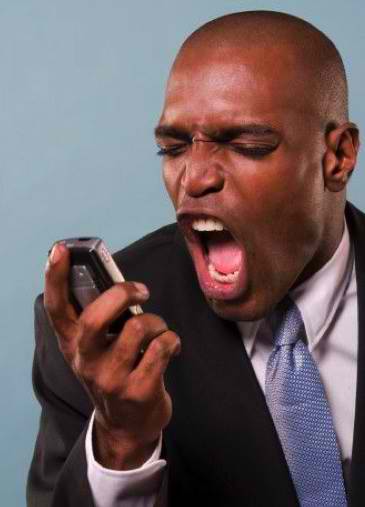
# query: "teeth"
(210, 224)
(219, 277)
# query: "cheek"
(277, 189)
(279, 208)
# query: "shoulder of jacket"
(158, 242)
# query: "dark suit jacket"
(221, 446)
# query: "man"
(245, 394)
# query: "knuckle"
(119, 290)
(171, 339)
(135, 394)
(135, 325)
(88, 374)
(86, 325)
(108, 388)
(161, 348)
(157, 322)
(124, 291)
(109, 385)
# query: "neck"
(321, 257)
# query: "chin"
(237, 310)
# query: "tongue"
(223, 252)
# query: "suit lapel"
(220, 418)
(356, 224)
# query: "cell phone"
(92, 272)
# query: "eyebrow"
(173, 132)
(218, 134)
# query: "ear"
(340, 157)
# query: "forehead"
(234, 86)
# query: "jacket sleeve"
(58, 471)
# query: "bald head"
(313, 64)
(254, 132)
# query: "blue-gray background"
(81, 87)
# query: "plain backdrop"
(81, 87)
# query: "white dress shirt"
(129, 488)
(328, 304)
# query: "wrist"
(116, 452)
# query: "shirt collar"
(317, 298)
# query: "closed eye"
(250, 151)
(171, 151)
(254, 151)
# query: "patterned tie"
(300, 411)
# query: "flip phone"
(92, 272)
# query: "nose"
(202, 174)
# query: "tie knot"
(287, 323)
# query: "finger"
(137, 334)
(101, 313)
(149, 373)
(56, 294)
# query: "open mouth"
(222, 255)
(219, 260)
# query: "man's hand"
(127, 389)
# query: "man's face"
(243, 143)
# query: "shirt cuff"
(109, 487)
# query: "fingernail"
(142, 289)
(55, 254)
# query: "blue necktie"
(300, 411)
